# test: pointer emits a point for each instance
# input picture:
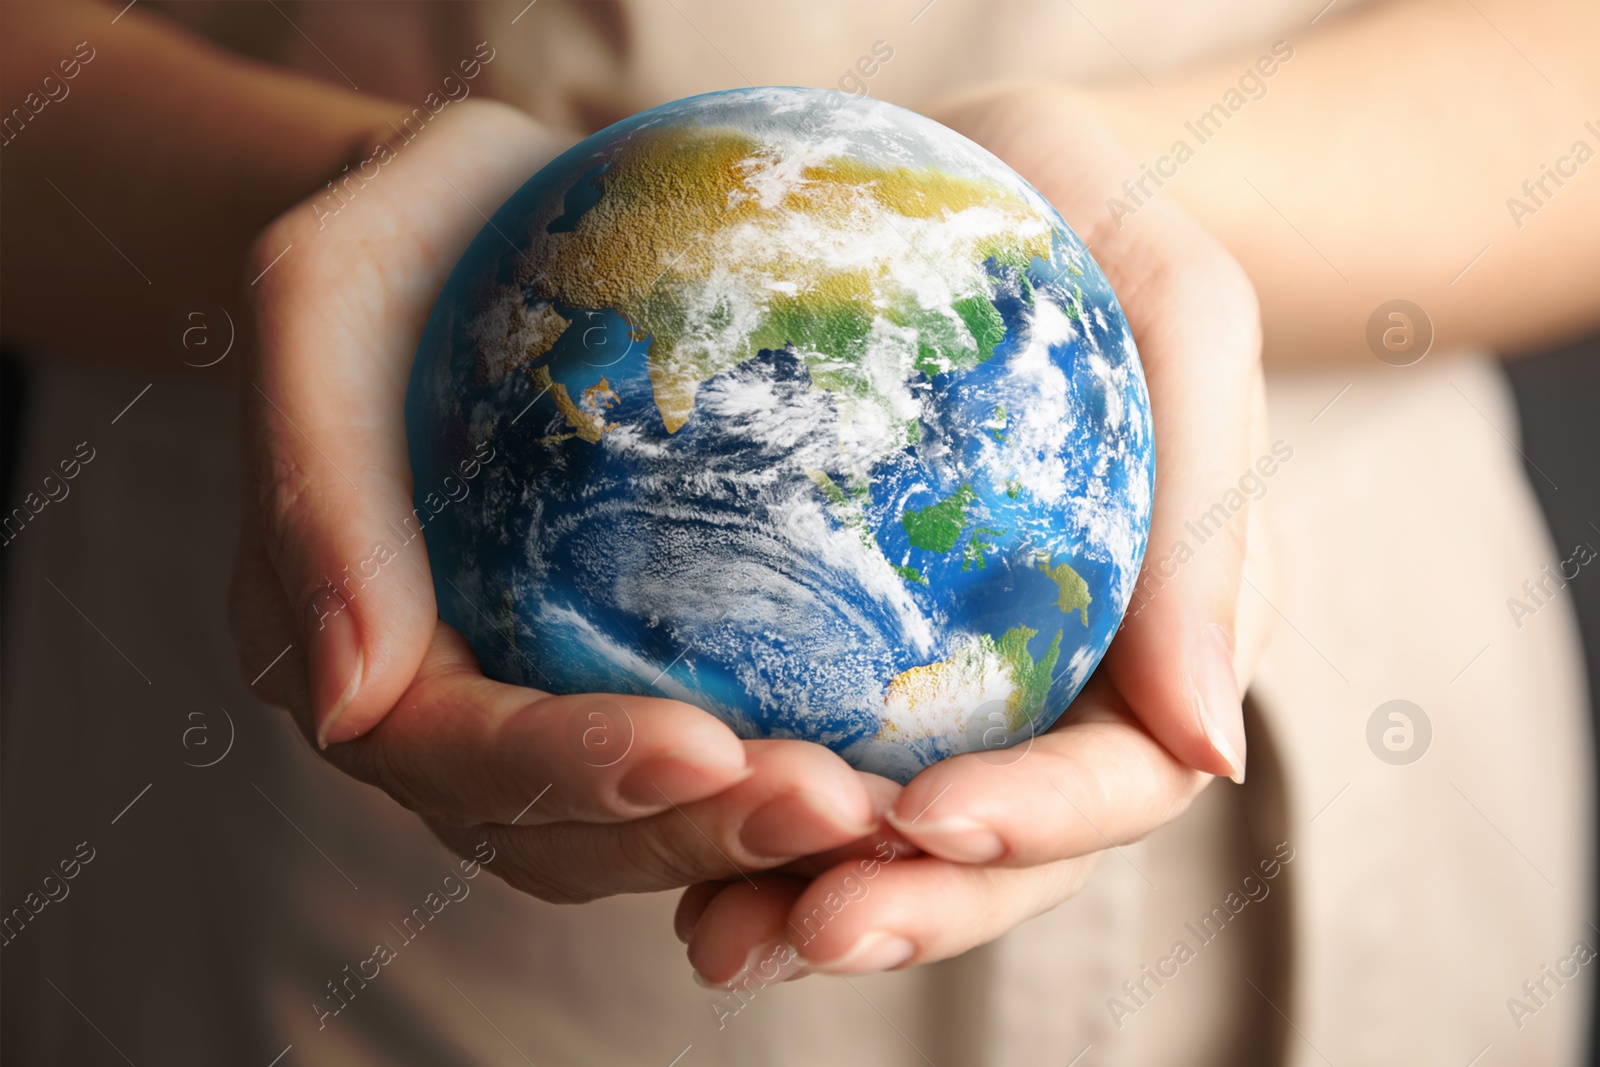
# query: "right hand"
(1003, 841)
(389, 693)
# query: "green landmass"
(652, 249)
(937, 527)
(1073, 309)
(983, 322)
(1013, 489)
(911, 574)
(847, 506)
(1032, 678)
(1074, 591)
(942, 346)
(997, 425)
(834, 494)
(973, 554)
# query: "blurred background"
(1411, 187)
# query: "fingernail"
(798, 824)
(676, 777)
(874, 952)
(775, 961)
(335, 664)
(1221, 712)
(959, 840)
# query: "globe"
(793, 405)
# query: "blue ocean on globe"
(793, 405)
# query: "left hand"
(978, 844)
(389, 693)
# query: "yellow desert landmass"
(586, 418)
(516, 335)
(1074, 591)
(931, 699)
(655, 248)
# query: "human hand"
(336, 602)
(1005, 839)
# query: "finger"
(692, 905)
(1174, 657)
(800, 798)
(903, 913)
(463, 749)
(745, 936)
(1096, 781)
(1194, 318)
(340, 305)
(718, 957)
(885, 840)
(882, 793)
(921, 910)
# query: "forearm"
(1377, 164)
(176, 152)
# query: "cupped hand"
(1001, 836)
(332, 603)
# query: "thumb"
(338, 316)
(1176, 658)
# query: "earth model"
(793, 405)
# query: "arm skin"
(178, 151)
(1392, 141)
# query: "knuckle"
(368, 760)
(264, 252)
(1066, 880)
(283, 486)
(521, 858)
(266, 244)
(529, 868)
(1181, 790)
(1212, 280)
(552, 891)
(285, 496)
(660, 855)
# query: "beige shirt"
(1407, 904)
(580, 65)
